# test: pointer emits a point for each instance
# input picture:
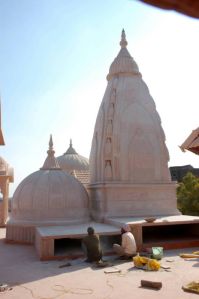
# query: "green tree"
(188, 195)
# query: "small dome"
(71, 161)
(47, 195)
(123, 63)
(50, 195)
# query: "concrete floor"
(31, 278)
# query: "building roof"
(188, 7)
(192, 142)
(82, 176)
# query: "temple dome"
(50, 195)
(124, 62)
(71, 161)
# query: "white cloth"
(128, 243)
(118, 249)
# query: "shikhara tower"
(129, 158)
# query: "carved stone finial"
(123, 42)
(50, 151)
(50, 162)
(71, 144)
(51, 142)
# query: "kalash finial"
(50, 162)
(123, 42)
(51, 151)
(70, 150)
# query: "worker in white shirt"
(128, 247)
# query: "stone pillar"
(4, 185)
(5, 201)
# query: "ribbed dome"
(123, 63)
(50, 195)
(71, 161)
(47, 195)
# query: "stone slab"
(45, 237)
(173, 240)
(76, 231)
(160, 220)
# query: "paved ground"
(30, 278)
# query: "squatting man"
(92, 247)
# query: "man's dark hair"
(90, 230)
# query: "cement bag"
(157, 253)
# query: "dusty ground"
(30, 278)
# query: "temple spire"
(50, 162)
(123, 42)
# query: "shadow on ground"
(19, 264)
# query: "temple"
(126, 179)
(129, 159)
(47, 197)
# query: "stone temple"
(125, 181)
(47, 197)
(129, 158)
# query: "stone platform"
(170, 232)
(58, 242)
(28, 277)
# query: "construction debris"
(189, 255)
(4, 287)
(145, 263)
(165, 267)
(112, 270)
(192, 287)
(65, 265)
(151, 284)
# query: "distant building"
(178, 172)
(192, 142)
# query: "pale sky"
(54, 58)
